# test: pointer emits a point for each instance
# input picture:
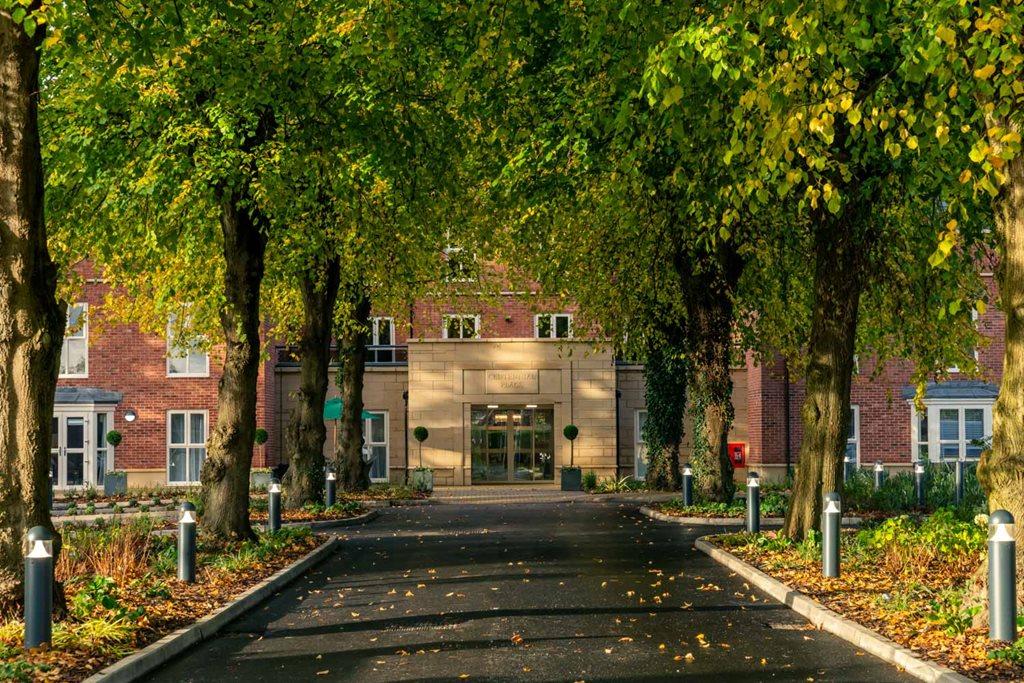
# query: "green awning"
(332, 410)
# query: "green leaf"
(672, 95)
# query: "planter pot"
(259, 479)
(115, 483)
(572, 479)
(422, 480)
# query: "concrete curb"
(135, 666)
(722, 521)
(827, 620)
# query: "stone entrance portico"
(447, 378)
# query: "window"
(460, 265)
(921, 436)
(947, 430)
(104, 450)
(382, 334)
(853, 435)
(970, 352)
(552, 326)
(185, 358)
(375, 436)
(74, 354)
(640, 446)
(186, 445)
(461, 326)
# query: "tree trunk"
(1001, 469)
(304, 480)
(710, 326)
(353, 471)
(31, 319)
(665, 374)
(838, 280)
(225, 474)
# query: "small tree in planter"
(114, 482)
(422, 477)
(260, 436)
(572, 476)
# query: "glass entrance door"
(67, 449)
(512, 444)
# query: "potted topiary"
(114, 438)
(572, 476)
(422, 478)
(260, 436)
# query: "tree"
(31, 319)
(969, 57)
(819, 128)
(666, 374)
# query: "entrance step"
(504, 494)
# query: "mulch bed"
(307, 516)
(893, 601)
(214, 588)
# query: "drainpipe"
(618, 396)
(785, 414)
(405, 398)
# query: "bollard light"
(332, 488)
(687, 485)
(1002, 577)
(879, 474)
(39, 588)
(187, 543)
(849, 464)
(958, 470)
(274, 507)
(919, 483)
(753, 503)
(831, 519)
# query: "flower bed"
(388, 492)
(312, 512)
(773, 504)
(122, 594)
(904, 578)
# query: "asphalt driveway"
(549, 592)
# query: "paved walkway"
(547, 592)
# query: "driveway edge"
(721, 521)
(137, 665)
(827, 620)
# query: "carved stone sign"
(511, 381)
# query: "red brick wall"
(123, 359)
(885, 429)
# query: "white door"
(68, 449)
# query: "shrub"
(99, 597)
(904, 545)
(114, 438)
(613, 485)
(118, 551)
(949, 612)
(858, 490)
(260, 436)
(589, 480)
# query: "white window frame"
(375, 339)
(182, 352)
(855, 439)
(639, 445)
(461, 316)
(552, 325)
(187, 444)
(464, 274)
(933, 407)
(953, 369)
(386, 443)
(84, 332)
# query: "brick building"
(494, 380)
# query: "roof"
(86, 395)
(960, 388)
